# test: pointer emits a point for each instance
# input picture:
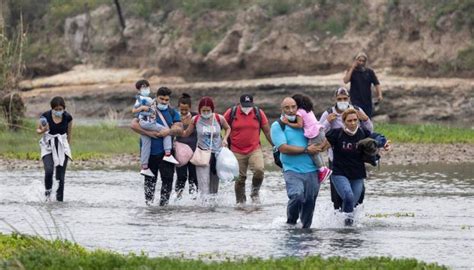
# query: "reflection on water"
(421, 212)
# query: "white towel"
(47, 145)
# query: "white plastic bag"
(227, 165)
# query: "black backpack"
(276, 152)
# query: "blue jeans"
(302, 190)
(348, 190)
(146, 141)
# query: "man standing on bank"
(246, 121)
(362, 78)
(299, 170)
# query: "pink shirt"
(311, 125)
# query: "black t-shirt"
(192, 139)
(60, 128)
(347, 159)
(360, 92)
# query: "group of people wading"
(344, 130)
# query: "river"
(423, 212)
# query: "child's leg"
(145, 151)
(317, 158)
(151, 125)
(168, 144)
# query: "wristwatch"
(305, 150)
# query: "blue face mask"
(57, 113)
(290, 118)
(145, 91)
(162, 107)
(206, 115)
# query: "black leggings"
(186, 172)
(48, 176)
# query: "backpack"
(233, 112)
(216, 116)
(276, 152)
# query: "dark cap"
(246, 101)
(342, 91)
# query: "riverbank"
(108, 146)
(402, 154)
(108, 93)
(27, 252)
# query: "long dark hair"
(303, 102)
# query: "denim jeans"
(146, 141)
(302, 190)
(348, 190)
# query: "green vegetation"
(463, 62)
(27, 252)
(88, 142)
(93, 142)
(429, 133)
(464, 11)
(398, 214)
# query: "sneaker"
(147, 172)
(256, 199)
(323, 174)
(348, 222)
(47, 196)
(170, 159)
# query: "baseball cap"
(246, 100)
(342, 91)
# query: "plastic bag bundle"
(227, 165)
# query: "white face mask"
(350, 132)
(246, 110)
(206, 115)
(145, 91)
(342, 105)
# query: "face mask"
(291, 118)
(145, 91)
(350, 132)
(162, 107)
(246, 110)
(342, 105)
(206, 115)
(58, 113)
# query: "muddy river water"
(423, 212)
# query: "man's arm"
(266, 132)
(347, 77)
(135, 126)
(298, 150)
(378, 92)
(365, 120)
